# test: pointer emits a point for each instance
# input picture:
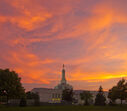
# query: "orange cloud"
(29, 19)
(2, 19)
(29, 23)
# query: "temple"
(49, 95)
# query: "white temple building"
(48, 95)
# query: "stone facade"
(48, 95)
(55, 95)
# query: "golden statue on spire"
(63, 66)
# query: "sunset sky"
(88, 36)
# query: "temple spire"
(63, 80)
(63, 83)
(63, 66)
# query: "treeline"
(117, 92)
(11, 88)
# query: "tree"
(10, 85)
(86, 96)
(100, 98)
(67, 95)
(118, 92)
(31, 95)
(23, 102)
(113, 95)
(35, 96)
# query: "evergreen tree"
(86, 96)
(100, 98)
(67, 95)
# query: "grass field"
(65, 108)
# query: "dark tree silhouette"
(100, 98)
(31, 95)
(22, 102)
(118, 92)
(67, 95)
(10, 85)
(35, 96)
(86, 96)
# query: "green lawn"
(65, 108)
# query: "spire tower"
(63, 83)
(63, 80)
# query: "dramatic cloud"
(88, 36)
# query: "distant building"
(49, 95)
(55, 95)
